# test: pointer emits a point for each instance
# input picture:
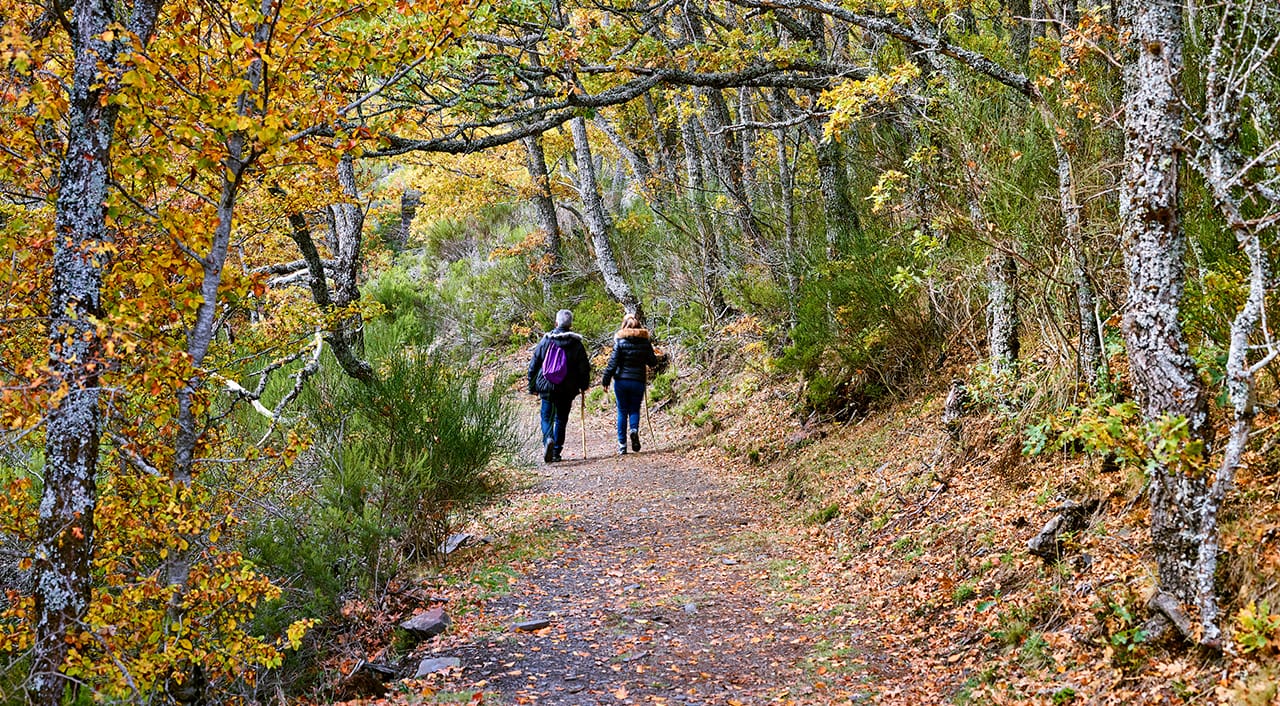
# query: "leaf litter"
(777, 563)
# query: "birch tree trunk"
(786, 185)
(748, 142)
(1231, 74)
(64, 542)
(641, 172)
(665, 158)
(1002, 312)
(545, 209)
(409, 202)
(598, 222)
(1164, 374)
(839, 216)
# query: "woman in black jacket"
(628, 368)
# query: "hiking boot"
(635, 440)
(549, 453)
(622, 449)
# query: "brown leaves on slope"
(920, 553)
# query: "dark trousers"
(629, 393)
(555, 417)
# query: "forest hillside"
(959, 307)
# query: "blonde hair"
(630, 321)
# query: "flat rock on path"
(662, 598)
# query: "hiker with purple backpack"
(559, 371)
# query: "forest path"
(672, 587)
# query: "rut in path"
(662, 595)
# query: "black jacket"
(576, 360)
(632, 356)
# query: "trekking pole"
(583, 409)
(648, 418)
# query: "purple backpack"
(555, 366)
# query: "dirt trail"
(662, 595)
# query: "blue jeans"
(555, 417)
(630, 393)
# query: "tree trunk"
(839, 217)
(204, 329)
(786, 185)
(1002, 312)
(64, 542)
(1090, 352)
(598, 222)
(347, 223)
(1020, 31)
(722, 150)
(1039, 14)
(748, 142)
(350, 362)
(1164, 374)
(545, 207)
(696, 187)
(1003, 321)
(666, 162)
(1219, 159)
(1089, 355)
(641, 172)
(726, 157)
(409, 202)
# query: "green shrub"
(1257, 628)
(964, 592)
(824, 515)
(1122, 627)
(429, 432)
(663, 386)
(1064, 695)
(1013, 628)
(857, 335)
(402, 299)
(394, 467)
